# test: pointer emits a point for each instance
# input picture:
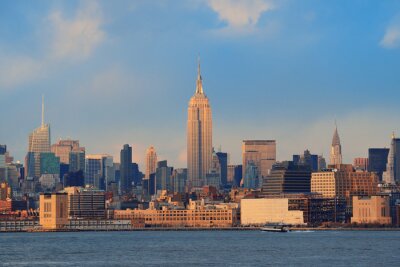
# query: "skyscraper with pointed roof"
(199, 135)
(336, 149)
(38, 142)
(389, 176)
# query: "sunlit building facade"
(199, 136)
(151, 161)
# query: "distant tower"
(336, 149)
(126, 174)
(38, 142)
(199, 136)
(151, 161)
(389, 175)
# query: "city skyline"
(356, 89)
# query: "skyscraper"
(389, 176)
(262, 153)
(199, 135)
(99, 170)
(336, 149)
(151, 161)
(377, 160)
(126, 171)
(223, 162)
(39, 142)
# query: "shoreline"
(293, 229)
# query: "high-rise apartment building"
(151, 161)
(199, 136)
(262, 153)
(377, 160)
(336, 149)
(126, 171)
(344, 182)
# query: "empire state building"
(199, 136)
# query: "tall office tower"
(361, 163)
(163, 176)
(336, 149)
(199, 136)
(39, 142)
(99, 170)
(377, 160)
(179, 178)
(151, 161)
(223, 163)
(262, 153)
(321, 163)
(126, 174)
(389, 176)
(287, 177)
(251, 180)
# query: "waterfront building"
(38, 142)
(336, 149)
(287, 177)
(199, 135)
(371, 209)
(197, 214)
(99, 170)
(163, 176)
(86, 203)
(53, 210)
(262, 153)
(377, 160)
(151, 161)
(360, 164)
(344, 182)
(126, 171)
(269, 210)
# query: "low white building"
(269, 210)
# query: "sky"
(117, 72)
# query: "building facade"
(151, 161)
(125, 169)
(262, 153)
(371, 209)
(53, 210)
(377, 160)
(199, 136)
(336, 149)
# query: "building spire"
(393, 135)
(199, 82)
(42, 110)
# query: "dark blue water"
(206, 248)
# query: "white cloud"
(78, 37)
(391, 39)
(15, 71)
(70, 39)
(240, 15)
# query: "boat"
(275, 227)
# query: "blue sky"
(116, 72)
